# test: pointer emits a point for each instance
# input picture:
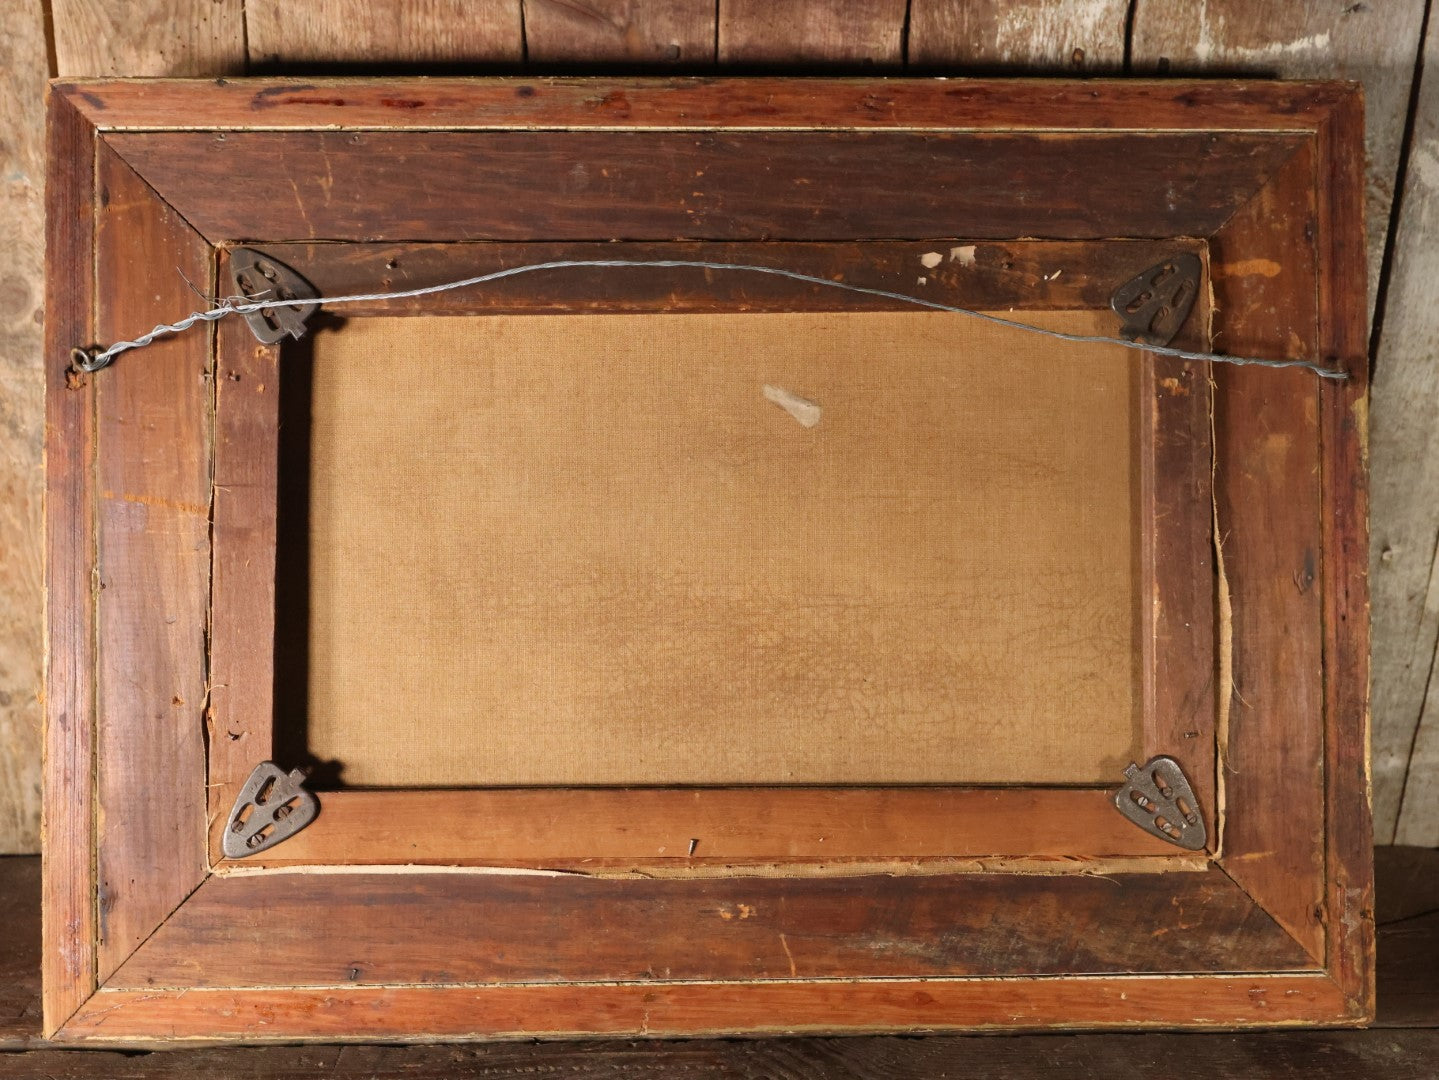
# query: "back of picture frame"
(683, 630)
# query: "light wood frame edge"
(658, 1010)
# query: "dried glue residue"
(802, 409)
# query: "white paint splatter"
(1207, 49)
(1425, 165)
(930, 259)
(802, 409)
(963, 255)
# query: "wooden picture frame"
(551, 911)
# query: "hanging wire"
(90, 361)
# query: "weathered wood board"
(22, 149)
(1376, 43)
(292, 35)
(1077, 37)
(1405, 462)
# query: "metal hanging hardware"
(272, 806)
(1158, 798)
(1155, 304)
(257, 277)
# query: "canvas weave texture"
(594, 549)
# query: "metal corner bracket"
(1157, 797)
(1155, 303)
(257, 277)
(272, 806)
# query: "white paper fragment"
(930, 259)
(963, 255)
(802, 409)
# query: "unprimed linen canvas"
(714, 549)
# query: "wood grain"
(346, 930)
(631, 32)
(1025, 275)
(670, 185)
(22, 411)
(1409, 927)
(152, 517)
(1404, 570)
(1365, 1055)
(654, 828)
(148, 37)
(329, 32)
(547, 828)
(70, 568)
(1024, 37)
(816, 33)
(1344, 333)
(1268, 490)
(1408, 917)
(242, 590)
(1180, 636)
(519, 104)
(1225, 922)
(658, 1009)
(1376, 43)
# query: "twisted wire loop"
(91, 361)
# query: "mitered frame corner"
(94, 928)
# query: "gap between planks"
(1199, 863)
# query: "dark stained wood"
(1343, 334)
(1407, 914)
(1208, 105)
(19, 950)
(1267, 435)
(304, 929)
(1026, 275)
(68, 823)
(153, 519)
(815, 33)
(658, 33)
(581, 185)
(326, 925)
(242, 662)
(1355, 1055)
(657, 1009)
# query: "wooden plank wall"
(1377, 42)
